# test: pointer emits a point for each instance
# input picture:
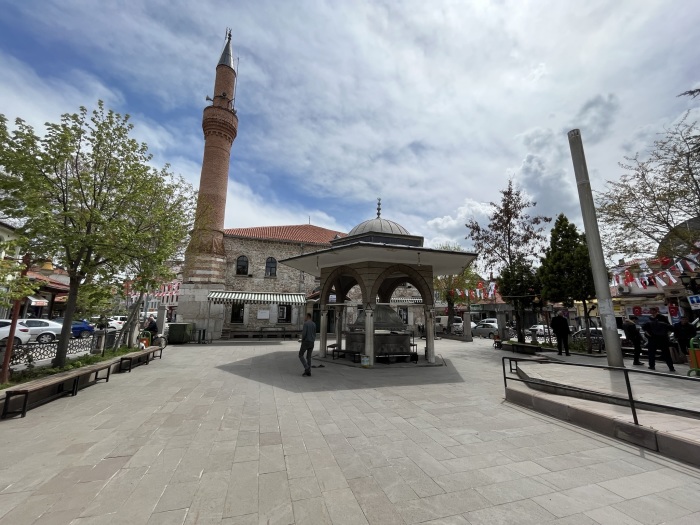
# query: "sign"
(694, 301)
(476, 308)
(263, 314)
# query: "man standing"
(657, 329)
(632, 334)
(560, 327)
(684, 332)
(308, 336)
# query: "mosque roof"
(304, 233)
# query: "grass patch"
(29, 374)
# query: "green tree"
(89, 199)
(653, 209)
(508, 244)
(519, 285)
(565, 272)
(446, 285)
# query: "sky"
(430, 106)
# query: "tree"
(89, 199)
(509, 243)
(565, 270)
(446, 285)
(519, 285)
(653, 209)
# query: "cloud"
(596, 117)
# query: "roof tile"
(306, 233)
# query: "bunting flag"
(638, 282)
(472, 294)
(679, 265)
(628, 277)
(492, 289)
(670, 276)
(659, 281)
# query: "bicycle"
(160, 340)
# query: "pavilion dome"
(378, 225)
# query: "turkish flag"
(673, 310)
(637, 310)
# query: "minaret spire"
(205, 258)
(379, 207)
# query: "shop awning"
(220, 297)
(35, 300)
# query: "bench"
(412, 357)
(528, 349)
(57, 385)
(137, 358)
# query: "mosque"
(242, 280)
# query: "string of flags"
(171, 289)
(480, 292)
(648, 277)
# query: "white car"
(21, 333)
(485, 329)
(42, 330)
(542, 330)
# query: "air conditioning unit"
(623, 289)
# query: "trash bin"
(180, 333)
(145, 338)
(694, 356)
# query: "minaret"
(205, 258)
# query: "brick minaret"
(205, 258)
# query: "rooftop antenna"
(379, 207)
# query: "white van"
(441, 322)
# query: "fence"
(31, 352)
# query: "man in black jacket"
(633, 336)
(657, 329)
(684, 332)
(560, 327)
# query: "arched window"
(242, 265)
(271, 267)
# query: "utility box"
(180, 333)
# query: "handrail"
(625, 371)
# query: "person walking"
(560, 327)
(684, 332)
(629, 326)
(657, 329)
(308, 336)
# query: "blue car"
(79, 328)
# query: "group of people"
(657, 330)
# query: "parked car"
(21, 333)
(542, 330)
(79, 328)
(597, 337)
(485, 329)
(42, 330)
(112, 325)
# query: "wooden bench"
(56, 385)
(335, 351)
(137, 358)
(412, 357)
(356, 356)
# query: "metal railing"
(31, 352)
(629, 400)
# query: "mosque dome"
(378, 225)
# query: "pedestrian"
(152, 327)
(308, 336)
(560, 327)
(657, 329)
(629, 326)
(684, 332)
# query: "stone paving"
(232, 434)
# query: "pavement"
(232, 434)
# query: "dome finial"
(379, 207)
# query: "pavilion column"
(369, 333)
(339, 311)
(324, 330)
(430, 333)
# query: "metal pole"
(631, 398)
(595, 251)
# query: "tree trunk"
(450, 312)
(519, 314)
(129, 325)
(587, 327)
(64, 338)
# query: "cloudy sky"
(431, 106)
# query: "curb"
(665, 443)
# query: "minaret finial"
(379, 207)
(228, 34)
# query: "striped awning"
(406, 300)
(221, 297)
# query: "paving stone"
(515, 513)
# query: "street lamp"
(690, 282)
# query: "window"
(237, 313)
(271, 267)
(242, 265)
(284, 313)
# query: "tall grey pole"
(595, 251)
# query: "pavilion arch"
(385, 284)
(343, 278)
